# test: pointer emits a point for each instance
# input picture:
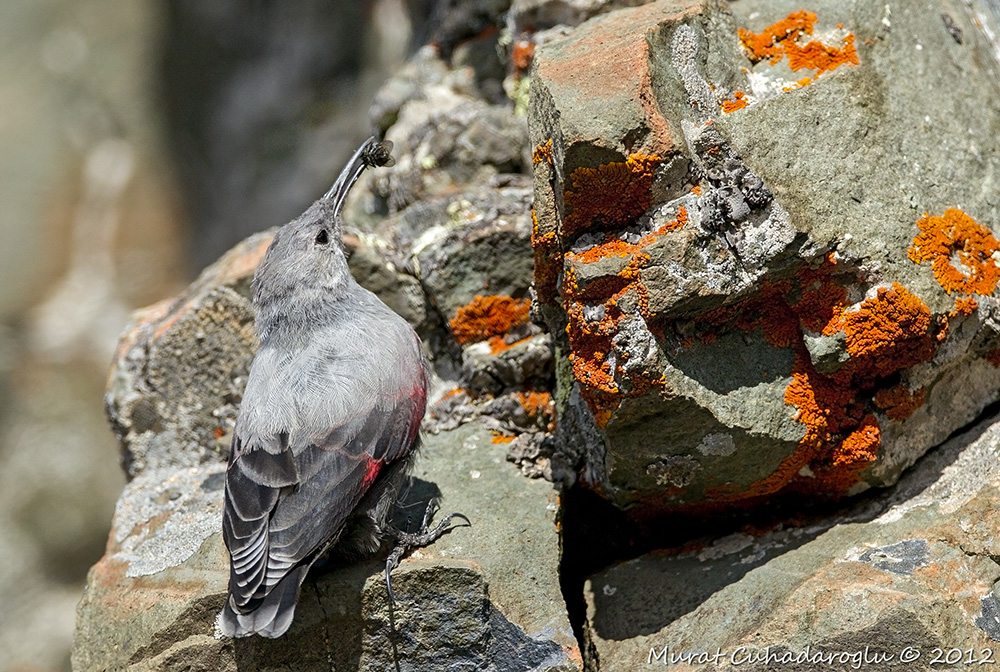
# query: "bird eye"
(322, 238)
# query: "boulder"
(748, 250)
(895, 583)
(480, 598)
(180, 353)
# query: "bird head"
(306, 259)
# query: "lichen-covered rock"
(481, 246)
(488, 599)
(458, 225)
(910, 577)
(485, 598)
(747, 249)
(181, 365)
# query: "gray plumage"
(329, 422)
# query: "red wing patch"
(372, 467)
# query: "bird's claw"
(423, 537)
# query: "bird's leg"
(422, 537)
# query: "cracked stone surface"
(736, 244)
(911, 568)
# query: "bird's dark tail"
(272, 616)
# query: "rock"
(491, 369)
(446, 135)
(710, 272)
(425, 74)
(458, 224)
(375, 266)
(910, 569)
(457, 259)
(534, 15)
(484, 598)
(181, 366)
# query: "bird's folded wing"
(284, 503)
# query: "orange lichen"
(956, 238)
(823, 301)
(682, 218)
(542, 152)
(860, 447)
(942, 325)
(820, 402)
(602, 416)
(591, 343)
(821, 308)
(540, 407)
(739, 101)
(536, 403)
(825, 408)
(591, 339)
(548, 261)
(840, 439)
(779, 330)
(616, 247)
(888, 333)
(964, 305)
(821, 58)
(498, 343)
(770, 311)
(502, 438)
(892, 317)
(805, 81)
(441, 407)
(782, 39)
(899, 402)
(609, 196)
(522, 54)
(488, 316)
(884, 335)
(770, 42)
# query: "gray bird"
(328, 426)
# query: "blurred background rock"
(139, 140)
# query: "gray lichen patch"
(989, 617)
(900, 558)
(164, 516)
